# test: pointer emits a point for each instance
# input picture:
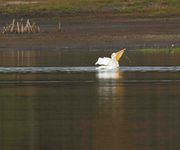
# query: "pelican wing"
(103, 61)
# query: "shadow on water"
(57, 100)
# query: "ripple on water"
(87, 69)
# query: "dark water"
(56, 100)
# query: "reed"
(59, 26)
(21, 27)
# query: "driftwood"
(21, 27)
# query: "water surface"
(57, 100)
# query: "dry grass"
(123, 7)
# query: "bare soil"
(95, 32)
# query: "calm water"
(56, 100)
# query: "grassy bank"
(120, 7)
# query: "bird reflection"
(109, 88)
(111, 125)
(113, 74)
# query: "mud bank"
(95, 32)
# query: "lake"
(56, 99)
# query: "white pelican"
(110, 63)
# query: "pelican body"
(110, 63)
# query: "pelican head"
(113, 56)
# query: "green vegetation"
(121, 7)
(159, 50)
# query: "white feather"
(103, 61)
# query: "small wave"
(45, 69)
(151, 69)
(87, 69)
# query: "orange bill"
(119, 54)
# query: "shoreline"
(95, 32)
